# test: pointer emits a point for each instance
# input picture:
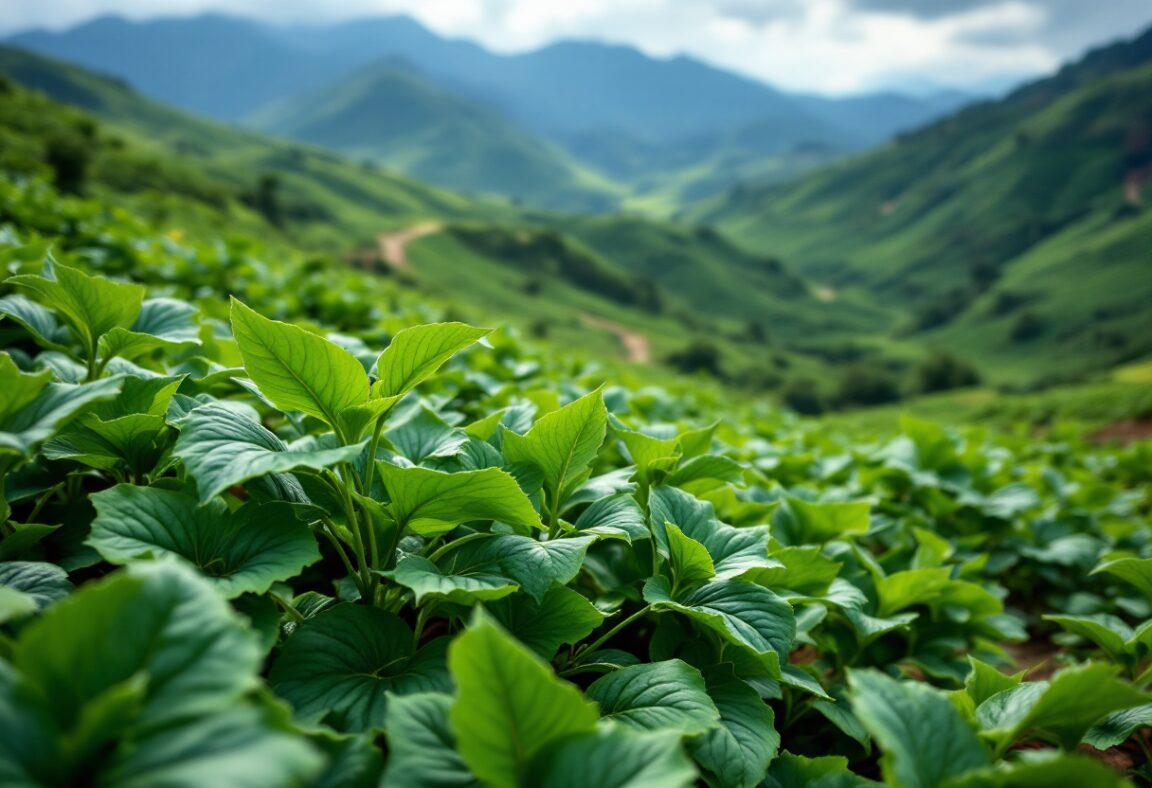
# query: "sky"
(827, 46)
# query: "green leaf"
(509, 704)
(90, 305)
(1045, 770)
(612, 758)
(562, 444)
(15, 604)
(162, 322)
(745, 615)
(792, 771)
(421, 745)
(297, 370)
(20, 388)
(1064, 708)
(535, 566)
(800, 522)
(340, 665)
(738, 752)
(689, 560)
(561, 616)
(157, 620)
(924, 739)
(36, 319)
(240, 552)
(129, 440)
(23, 431)
(221, 448)
(614, 516)
(41, 584)
(910, 587)
(985, 681)
(801, 571)
(425, 580)
(1115, 728)
(1108, 632)
(432, 502)
(734, 551)
(656, 696)
(424, 436)
(416, 353)
(1136, 571)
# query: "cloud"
(833, 46)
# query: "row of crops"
(361, 548)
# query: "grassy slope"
(1030, 188)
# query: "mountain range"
(575, 125)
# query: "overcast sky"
(833, 46)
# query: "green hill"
(1015, 231)
(390, 114)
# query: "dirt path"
(394, 246)
(637, 349)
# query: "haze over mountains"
(575, 125)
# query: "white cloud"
(823, 45)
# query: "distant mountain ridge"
(578, 98)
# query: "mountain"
(662, 130)
(1018, 228)
(391, 114)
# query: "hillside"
(391, 114)
(1019, 228)
(658, 132)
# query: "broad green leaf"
(985, 681)
(793, 771)
(924, 739)
(130, 440)
(23, 431)
(656, 696)
(738, 752)
(40, 583)
(425, 580)
(221, 448)
(1044, 770)
(800, 522)
(162, 322)
(432, 502)
(534, 565)
(416, 353)
(616, 516)
(1065, 707)
(509, 704)
(802, 571)
(689, 560)
(239, 746)
(298, 370)
(1115, 728)
(354, 761)
(734, 551)
(157, 620)
(421, 745)
(15, 604)
(37, 319)
(613, 758)
(910, 587)
(339, 667)
(1108, 632)
(748, 616)
(240, 552)
(20, 388)
(1136, 571)
(714, 467)
(562, 444)
(425, 436)
(561, 616)
(90, 305)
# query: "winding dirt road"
(637, 349)
(394, 246)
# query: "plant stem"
(370, 471)
(450, 546)
(554, 515)
(292, 612)
(608, 635)
(329, 530)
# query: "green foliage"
(281, 556)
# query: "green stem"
(292, 612)
(463, 540)
(554, 515)
(42, 500)
(329, 530)
(614, 630)
(421, 620)
(373, 444)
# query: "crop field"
(314, 535)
